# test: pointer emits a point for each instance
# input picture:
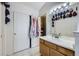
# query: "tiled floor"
(29, 52)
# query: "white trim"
(1, 29)
(0, 32)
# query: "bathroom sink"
(64, 41)
(67, 39)
(61, 38)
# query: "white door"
(21, 29)
(0, 33)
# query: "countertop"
(64, 41)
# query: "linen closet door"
(21, 30)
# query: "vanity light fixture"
(63, 11)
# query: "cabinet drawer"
(65, 51)
(55, 53)
(41, 40)
(51, 45)
(44, 50)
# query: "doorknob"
(14, 33)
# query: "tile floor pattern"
(29, 52)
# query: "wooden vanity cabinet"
(50, 45)
(50, 49)
(55, 53)
(44, 50)
(65, 51)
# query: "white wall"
(8, 28)
(68, 25)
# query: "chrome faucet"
(57, 35)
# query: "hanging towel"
(37, 28)
(34, 27)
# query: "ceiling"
(36, 5)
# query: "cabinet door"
(51, 45)
(44, 50)
(55, 53)
(65, 51)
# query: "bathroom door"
(43, 25)
(21, 29)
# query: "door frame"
(0, 29)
